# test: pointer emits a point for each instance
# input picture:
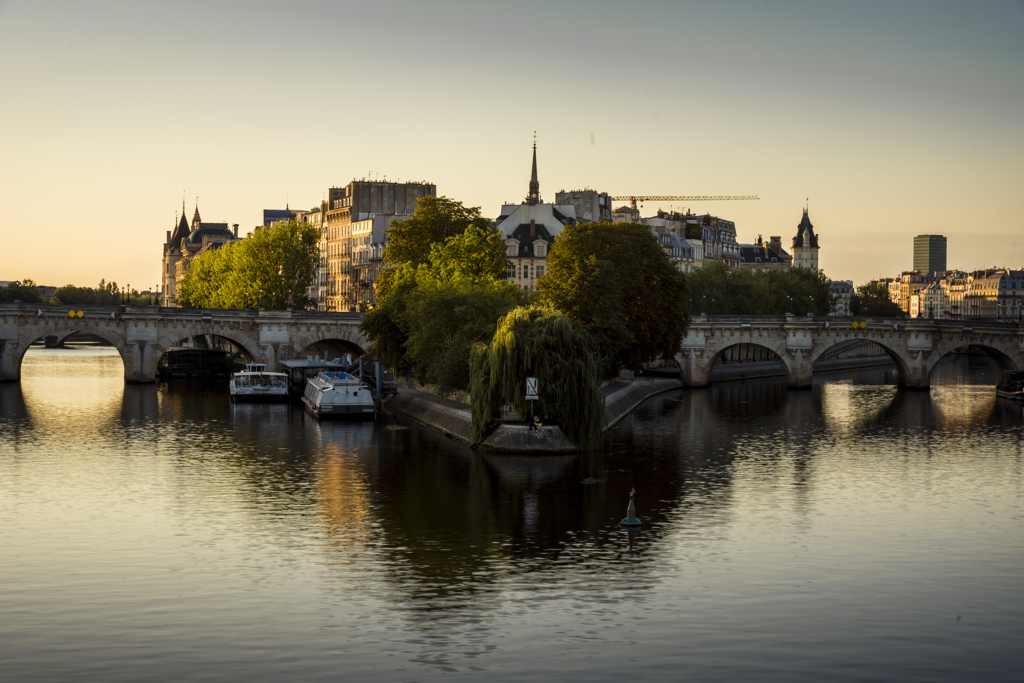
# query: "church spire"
(534, 197)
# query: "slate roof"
(271, 215)
(755, 253)
(526, 240)
(805, 227)
(180, 232)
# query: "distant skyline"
(894, 119)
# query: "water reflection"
(764, 509)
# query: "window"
(539, 270)
(541, 248)
(510, 273)
(526, 272)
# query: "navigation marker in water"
(631, 519)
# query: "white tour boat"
(255, 384)
(338, 394)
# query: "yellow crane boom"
(633, 199)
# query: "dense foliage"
(104, 294)
(24, 291)
(717, 289)
(272, 268)
(617, 283)
(539, 342)
(873, 299)
(435, 220)
(428, 315)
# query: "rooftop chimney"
(533, 226)
(235, 226)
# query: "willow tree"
(538, 342)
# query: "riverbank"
(453, 419)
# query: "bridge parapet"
(915, 345)
(141, 335)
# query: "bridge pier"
(799, 369)
(10, 360)
(693, 368)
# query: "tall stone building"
(342, 283)
(929, 254)
(805, 245)
(185, 243)
(590, 205)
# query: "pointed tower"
(534, 197)
(196, 220)
(805, 245)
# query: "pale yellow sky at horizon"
(895, 119)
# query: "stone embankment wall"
(454, 420)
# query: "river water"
(850, 532)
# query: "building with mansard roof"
(530, 228)
(186, 242)
(765, 255)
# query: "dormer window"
(541, 248)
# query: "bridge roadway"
(915, 344)
(142, 334)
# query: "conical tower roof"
(181, 230)
(805, 236)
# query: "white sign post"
(531, 389)
(531, 396)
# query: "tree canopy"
(20, 290)
(717, 289)
(873, 299)
(615, 280)
(435, 220)
(428, 315)
(272, 268)
(544, 343)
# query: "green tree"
(717, 289)
(20, 290)
(429, 315)
(872, 298)
(543, 343)
(616, 281)
(271, 269)
(477, 254)
(435, 220)
(70, 295)
(444, 318)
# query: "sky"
(887, 119)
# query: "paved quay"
(454, 420)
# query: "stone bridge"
(915, 345)
(142, 334)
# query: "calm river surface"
(850, 532)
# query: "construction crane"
(695, 198)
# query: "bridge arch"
(319, 340)
(12, 360)
(237, 337)
(697, 364)
(904, 372)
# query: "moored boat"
(1012, 385)
(255, 384)
(338, 394)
